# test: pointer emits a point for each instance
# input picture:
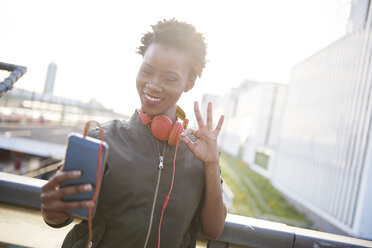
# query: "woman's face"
(162, 77)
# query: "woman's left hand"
(205, 146)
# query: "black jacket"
(128, 191)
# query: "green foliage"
(255, 196)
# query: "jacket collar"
(136, 124)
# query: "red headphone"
(162, 127)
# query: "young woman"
(133, 208)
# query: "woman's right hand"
(53, 208)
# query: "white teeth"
(152, 99)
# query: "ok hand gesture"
(205, 146)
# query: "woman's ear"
(190, 84)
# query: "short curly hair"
(180, 35)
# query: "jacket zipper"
(161, 165)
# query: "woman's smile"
(151, 100)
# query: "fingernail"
(87, 187)
(76, 173)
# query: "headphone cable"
(98, 177)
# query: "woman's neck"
(170, 113)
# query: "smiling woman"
(143, 201)
(163, 76)
(173, 55)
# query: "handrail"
(239, 230)
(17, 71)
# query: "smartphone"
(82, 154)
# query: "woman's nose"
(154, 84)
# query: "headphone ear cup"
(145, 118)
(161, 127)
(174, 136)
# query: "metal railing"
(16, 72)
(22, 194)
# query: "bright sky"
(93, 42)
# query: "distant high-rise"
(359, 15)
(50, 79)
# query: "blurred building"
(252, 120)
(23, 105)
(358, 15)
(324, 160)
(34, 127)
(312, 137)
(50, 79)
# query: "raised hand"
(205, 146)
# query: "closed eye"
(147, 72)
(171, 79)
